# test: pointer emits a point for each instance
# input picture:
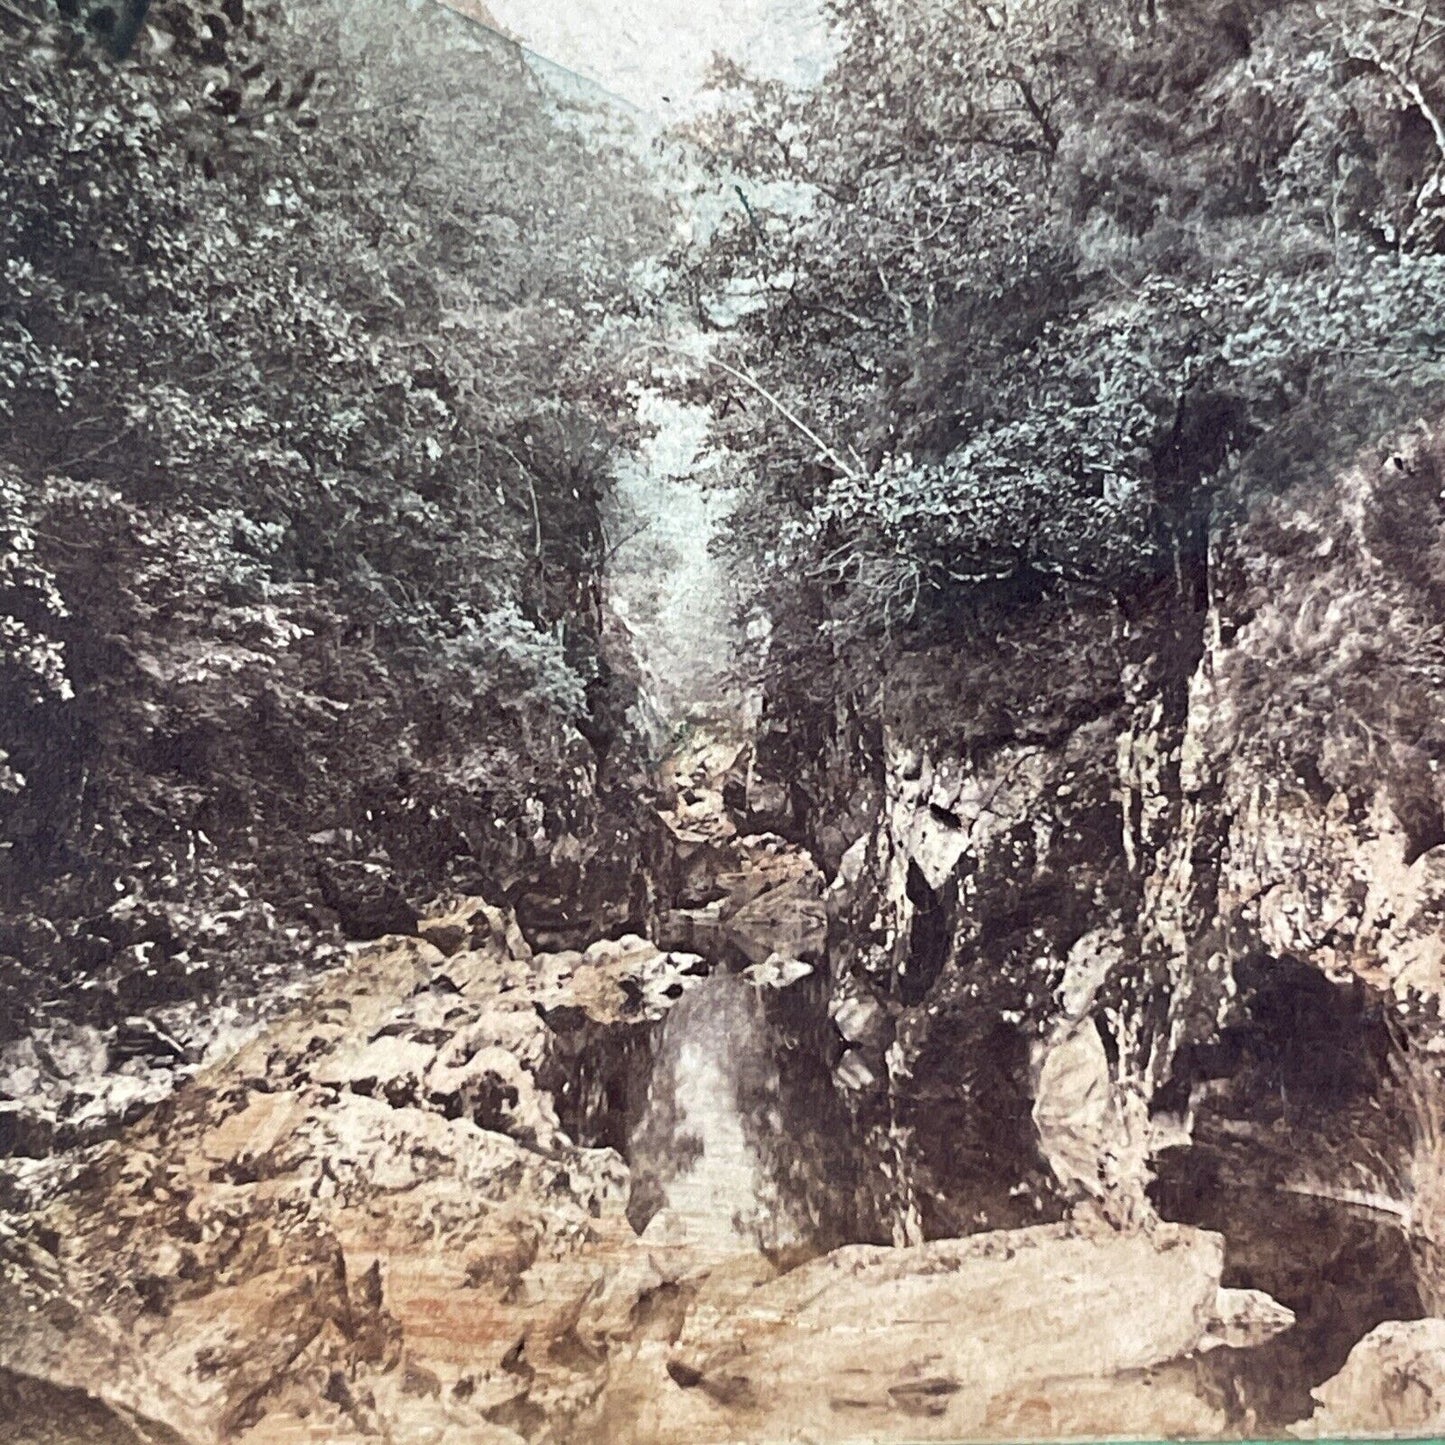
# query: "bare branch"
(1369, 54)
(751, 381)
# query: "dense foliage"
(304, 413)
(1035, 290)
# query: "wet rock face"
(982, 886)
(1233, 784)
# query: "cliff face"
(1126, 876)
(1314, 731)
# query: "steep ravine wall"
(1110, 1004)
(1130, 872)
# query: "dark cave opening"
(1287, 1103)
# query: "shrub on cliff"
(1060, 276)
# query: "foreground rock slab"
(1049, 1332)
(1392, 1384)
(365, 1224)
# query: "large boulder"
(1392, 1384)
(1035, 1333)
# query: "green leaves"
(31, 605)
(284, 298)
(1067, 277)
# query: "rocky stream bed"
(461, 1190)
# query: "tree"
(306, 416)
(1047, 282)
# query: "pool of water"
(1340, 1268)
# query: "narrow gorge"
(809, 1162)
(748, 765)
